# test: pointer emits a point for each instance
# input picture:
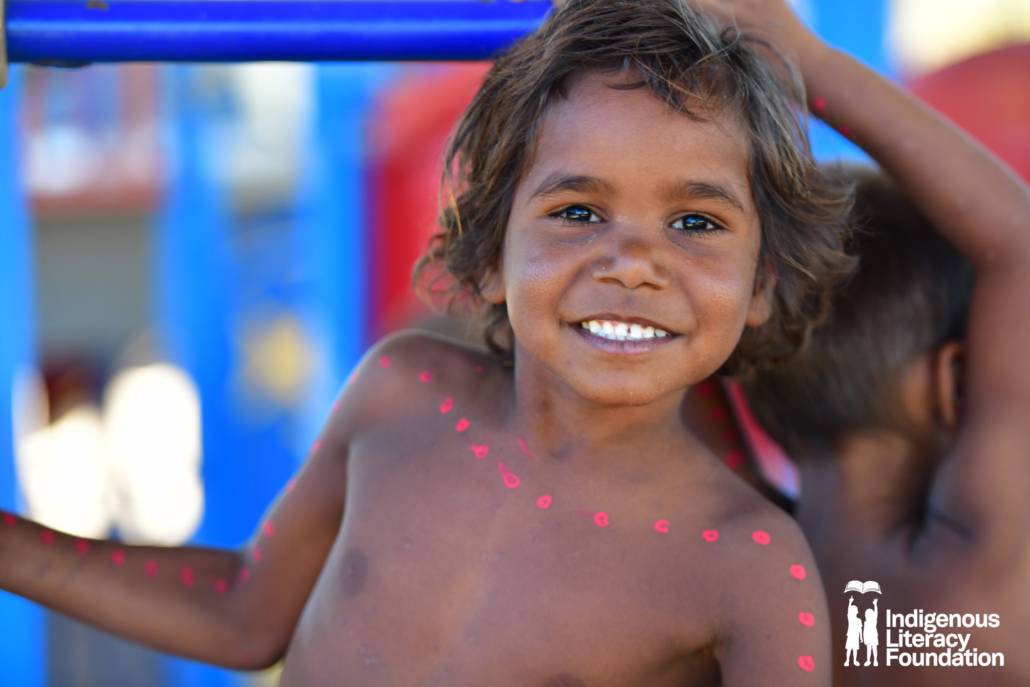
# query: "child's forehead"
(627, 131)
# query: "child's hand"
(771, 20)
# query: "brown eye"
(696, 224)
(576, 214)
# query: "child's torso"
(451, 569)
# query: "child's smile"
(630, 257)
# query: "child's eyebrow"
(557, 182)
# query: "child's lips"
(623, 347)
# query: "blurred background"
(192, 258)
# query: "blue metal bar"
(246, 30)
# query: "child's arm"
(233, 608)
(777, 628)
(984, 210)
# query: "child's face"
(660, 231)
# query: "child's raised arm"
(232, 608)
(984, 210)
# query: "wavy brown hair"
(688, 63)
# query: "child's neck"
(562, 424)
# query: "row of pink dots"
(601, 518)
(151, 568)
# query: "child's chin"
(627, 395)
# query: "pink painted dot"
(845, 131)
(269, 529)
(425, 376)
(384, 362)
(806, 619)
(187, 577)
(118, 557)
(761, 537)
(244, 574)
(806, 663)
(150, 568)
(734, 459)
(478, 369)
(661, 526)
(291, 485)
(601, 519)
(82, 547)
(544, 502)
(446, 406)
(798, 572)
(461, 425)
(47, 536)
(710, 536)
(819, 105)
(221, 586)
(480, 451)
(10, 520)
(511, 480)
(256, 554)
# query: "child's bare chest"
(453, 568)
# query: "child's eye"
(576, 214)
(696, 224)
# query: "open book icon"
(863, 587)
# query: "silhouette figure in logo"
(869, 635)
(854, 633)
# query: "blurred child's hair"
(910, 294)
(696, 69)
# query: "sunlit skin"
(459, 523)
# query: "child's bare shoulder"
(405, 367)
(770, 607)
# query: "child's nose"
(632, 262)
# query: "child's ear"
(491, 286)
(949, 384)
(760, 309)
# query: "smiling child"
(631, 202)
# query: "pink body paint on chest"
(797, 571)
(806, 619)
(761, 537)
(511, 480)
(806, 663)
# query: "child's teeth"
(622, 331)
